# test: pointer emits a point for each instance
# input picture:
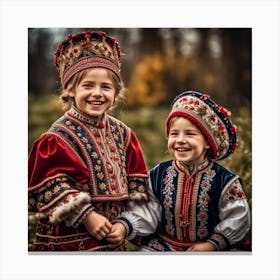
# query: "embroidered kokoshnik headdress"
(212, 120)
(85, 50)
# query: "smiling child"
(201, 204)
(86, 170)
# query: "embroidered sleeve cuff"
(69, 207)
(125, 222)
(219, 241)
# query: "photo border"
(18, 16)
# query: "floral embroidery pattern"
(234, 192)
(103, 179)
(167, 203)
(203, 201)
(53, 190)
(137, 185)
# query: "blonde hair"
(67, 100)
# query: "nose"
(96, 92)
(181, 138)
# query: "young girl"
(203, 206)
(89, 165)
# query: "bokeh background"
(157, 65)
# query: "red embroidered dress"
(81, 165)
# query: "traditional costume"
(207, 202)
(81, 165)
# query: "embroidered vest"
(102, 148)
(189, 205)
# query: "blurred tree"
(179, 65)
(204, 71)
(223, 65)
(146, 87)
(151, 41)
(40, 70)
(237, 59)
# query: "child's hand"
(117, 234)
(204, 246)
(97, 225)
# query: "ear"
(70, 90)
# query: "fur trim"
(35, 218)
(69, 205)
(137, 196)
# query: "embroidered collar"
(78, 114)
(192, 168)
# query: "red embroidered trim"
(88, 63)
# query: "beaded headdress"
(211, 119)
(85, 50)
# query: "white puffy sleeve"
(235, 218)
(142, 219)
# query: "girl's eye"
(87, 85)
(190, 134)
(173, 134)
(107, 87)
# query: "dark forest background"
(157, 65)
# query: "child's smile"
(95, 104)
(182, 150)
